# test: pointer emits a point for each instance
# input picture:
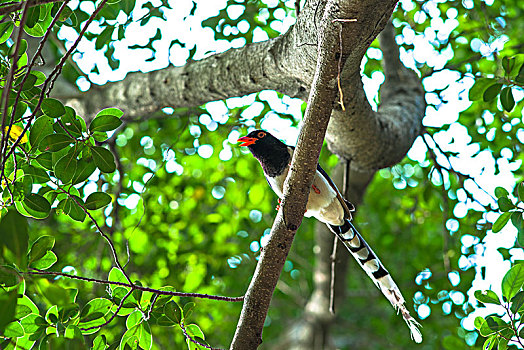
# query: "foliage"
(500, 331)
(189, 213)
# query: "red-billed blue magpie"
(326, 204)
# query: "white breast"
(324, 206)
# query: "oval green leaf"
(40, 247)
(42, 127)
(66, 166)
(477, 90)
(505, 204)
(105, 123)
(45, 262)
(512, 281)
(506, 99)
(53, 108)
(55, 142)
(487, 297)
(37, 206)
(103, 159)
(491, 92)
(97, 200)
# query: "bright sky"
(188, 30)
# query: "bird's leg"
(315, 188)
(278, 205)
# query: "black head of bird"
(272, 153)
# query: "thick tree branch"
(374, 140)
(303, 165)
(235, 72)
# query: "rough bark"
(248, 334)
(337, 44)
(313, 330)
(287, 64)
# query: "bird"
(326, 204)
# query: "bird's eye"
(261, 134)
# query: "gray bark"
(287, 64)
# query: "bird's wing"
(348, 207)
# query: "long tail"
(369, 261)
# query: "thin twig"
(106, 237)
(183, 327)
(113, 315)
(135, 286)
(5, 94)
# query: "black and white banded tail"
(369, 261)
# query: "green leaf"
(477, 90)
(501, 192)
(6, 29)
(487, 297)
(496, 324)
(505, 204)
(66, 166)
(479, 320)
(72, 332)
(22, 311)
(508, 63)
(146, 337)
(99, 343)
(188, 309)
(42, 127)
(103, 159)
(110, 111)
(520, 190)
(491, 92)
(45, 159)
(512, 281)
(38, 175)
(14, 235)
(8, 302)
(40, 77)
(133, 319)
(33, 15)
(71, 122)
(173, 312)
(55, 142)
(40, 247)
(9, 277)
(33, 323)
(116, 275)
(501, 221)
(506, 99)
(14, 330)
(194, 331)
(520, 76)
(53, 108)
(36, 206)
(105, 123)
(517, 302)
(94, 309)
(97, 200)
(72, 207)
(45, 262)
(84, 169)
(490, 342)
(516, 220)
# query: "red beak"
(246, 141)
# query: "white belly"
(324, 206)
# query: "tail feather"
(369, 261)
